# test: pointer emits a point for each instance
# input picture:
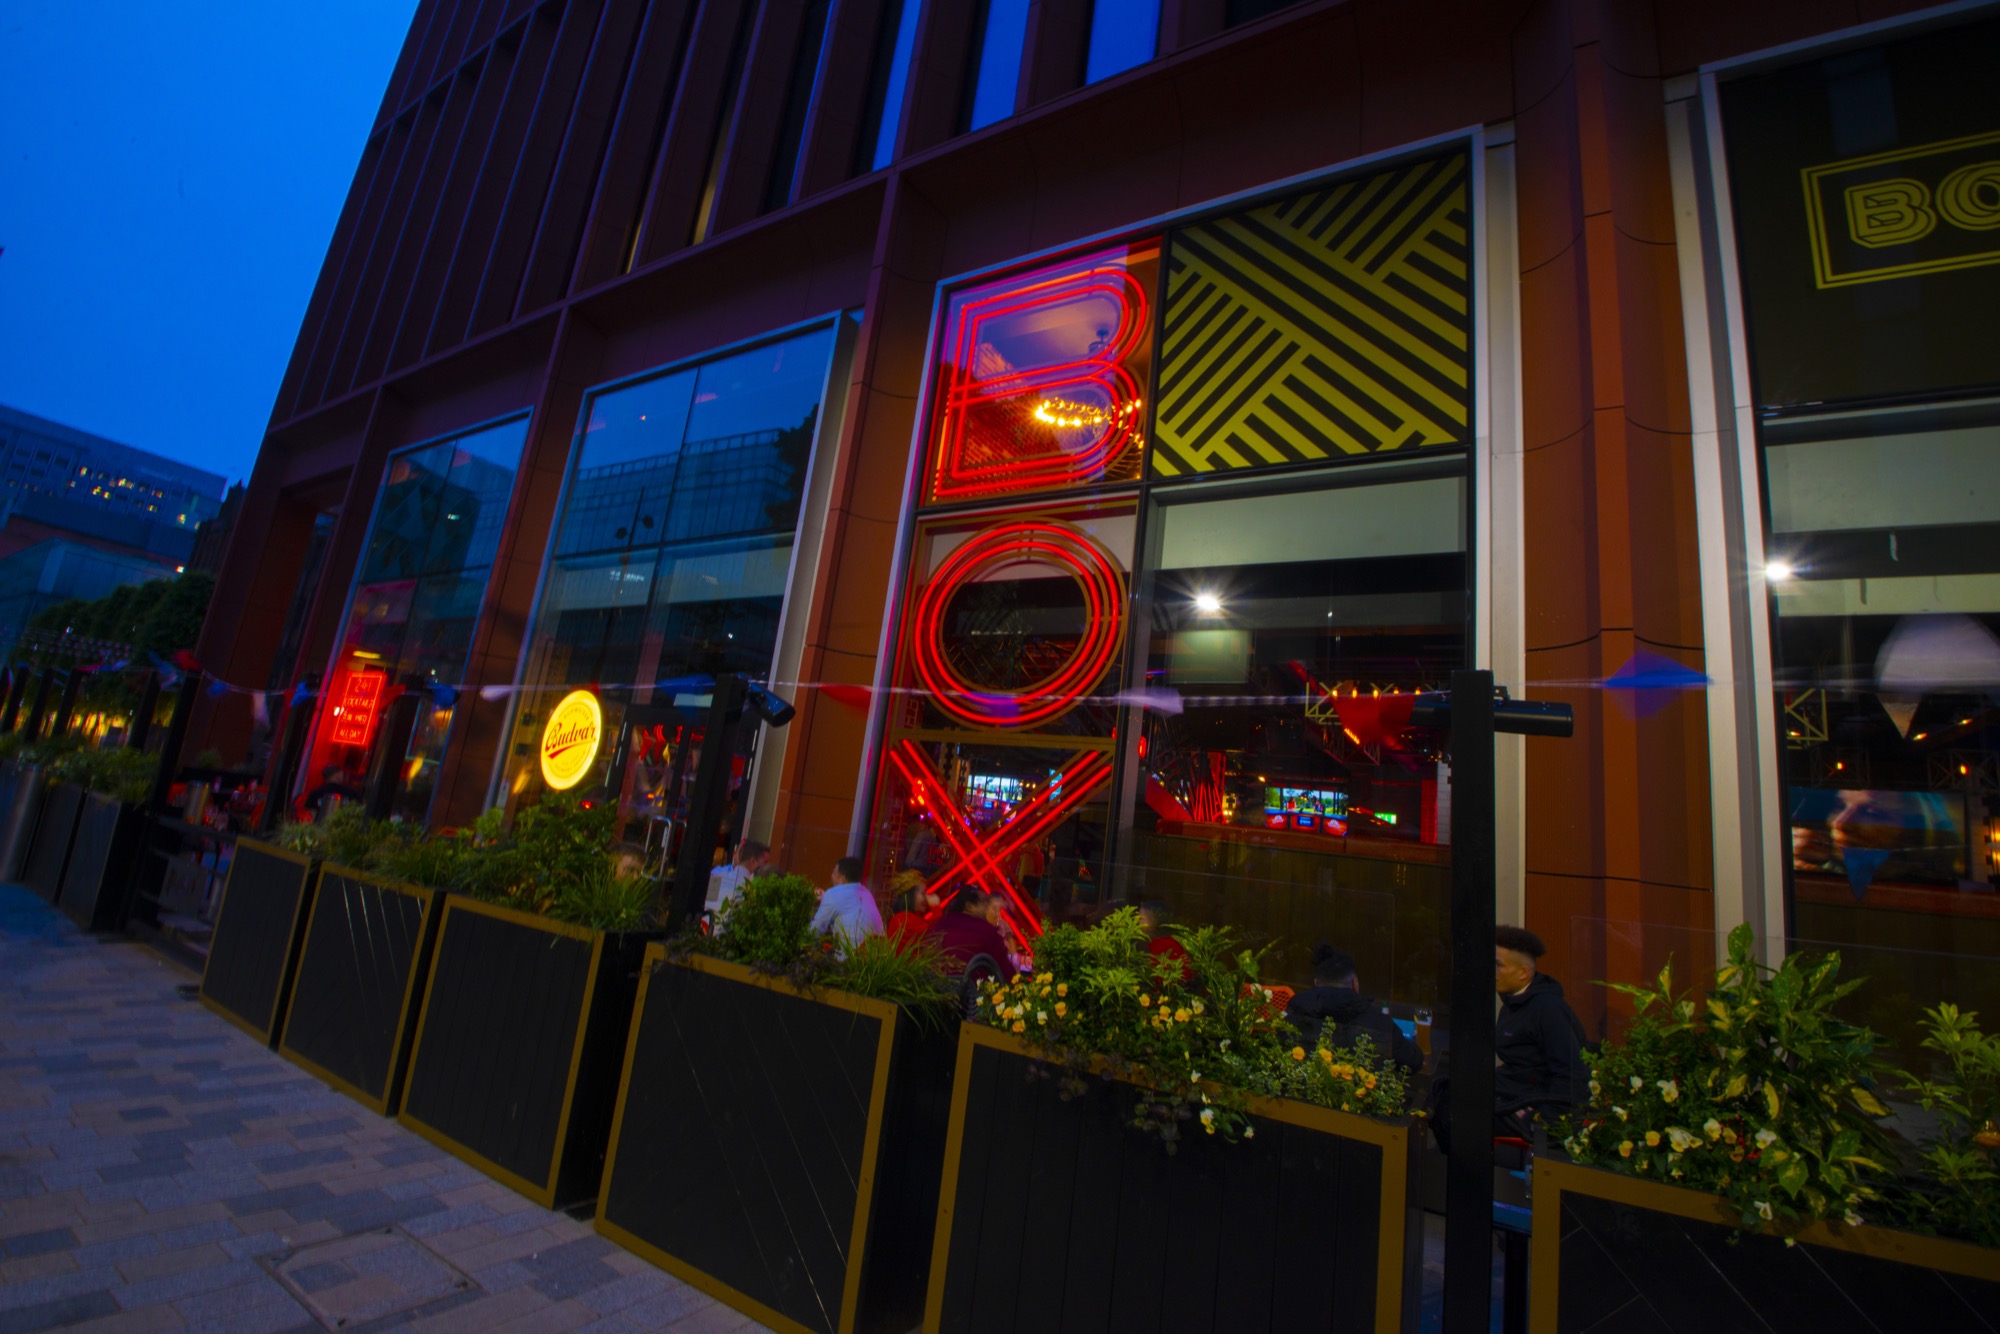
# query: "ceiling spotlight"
(1778, 571)
(1207, 603)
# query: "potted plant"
(514, 1063)
(781, 1117)
(1733, 1165)
(1142, 1133)
(39, 831)
(104, 859)
(253, 949)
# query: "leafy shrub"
(607, 902)
(1197, 1037)
(1956, 1190)
(124, 775)
(1354, 1078)
(1758, 1092)
(768, 925)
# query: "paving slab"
(160, 1170)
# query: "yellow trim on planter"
(1554, 1178)
(544, 1193)
(215, 932)
(377, 1101)
(864, 1199)
(1393, 1138)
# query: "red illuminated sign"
(1041, 541)
(1020, 427)
(360, 703)
(981, 855)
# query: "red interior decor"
(1043, 542)
(1006, 427)
(982, 854)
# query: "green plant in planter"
(1354, 1078)
(1757, 1092)
(124, 775)
(344, 836)
(768, 925)
(1956, 1189)
(1196, 1036)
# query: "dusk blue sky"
(170, 175)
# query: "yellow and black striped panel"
(1332, 323)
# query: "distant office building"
(81, 515)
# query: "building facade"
(1097, 417)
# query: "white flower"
(1595, 1088)
(1225, 1044)
(1712, 1128)
(1853, 1219)
(1041, 1016)
(1637, 1083)
(1764, 1209)
(1207, 1115)
(1766, 1138)
(1621, 1113)
(1194, 1076)
(1249, 1132)
(1681, 1139)
(1669, 1090)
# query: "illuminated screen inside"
(1304, 801)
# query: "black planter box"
(515, 1064)
(353, 1014)
(254, 951)
(781, 1151)
(55, 832)
(1612, 1252)
(24, 785)
(1057, 1215)
(103, 863)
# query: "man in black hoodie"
(1336, 995)
(1537, 1038)
(1537, 1044)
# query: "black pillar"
(177, 730)
(40, 707)
(142, 717)
(711, 799)
(17, 690)
(66, 708)
(279, 799)
(392, 746)
(1468, 1226)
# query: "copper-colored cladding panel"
(517, 233)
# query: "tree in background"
(158, 616)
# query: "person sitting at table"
(847, 910)
(962, 933)
(1335, 997)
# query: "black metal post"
(279, 799)
(170, 753)
(67, 706)
(17, 690)
(39, 709)
(392, 746)
(711, 799)
(1468, 1219)
(142, 717)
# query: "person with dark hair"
(726, 882)
(962, 933)
(911, 908)
(1335, 997)
(848, 908)
(1537, 1040)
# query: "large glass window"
(888, 78)
(1123, 34)
(670, 560)
(1148, 652)
(415, 600)
(1000, 34)
(1865, 192)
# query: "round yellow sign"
(569, 742)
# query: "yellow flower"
(1020, 1027)
(1062, 1008)
(1046, 977)
(1652, 1139)
(1325, 1056)
(1181, 1015)
(1298, 1053)
(1146, 1001)
(1062, 988)
(1625, 1149)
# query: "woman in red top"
(913, 909)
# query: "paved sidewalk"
(159, 1170)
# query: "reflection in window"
(888, 77)
(1041, 378)
(670, 559)
(1885, 564)
(999, 32)
(416, 597)
(1275, 801)
(1123, 34)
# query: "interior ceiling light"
(1778, 571)
(1207, 603)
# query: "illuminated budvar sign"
(1924, 209)
(570, 739)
